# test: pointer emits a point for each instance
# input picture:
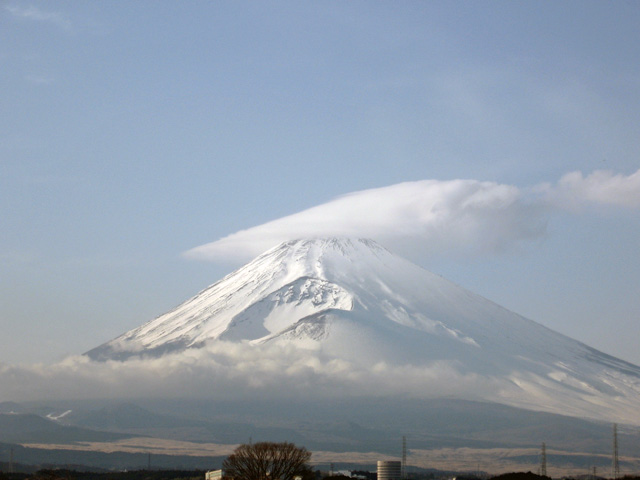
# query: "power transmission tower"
(543, 460)
(615, 466)
(404, 457)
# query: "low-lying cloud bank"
(225, 370)
(457, 216)
(230, 371)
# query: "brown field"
(493, 461)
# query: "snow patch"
(56, 417)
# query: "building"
(214, 475)
(389, 470)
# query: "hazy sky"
(452, 132)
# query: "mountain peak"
(343, 244)
(320, 246)
(351, 299)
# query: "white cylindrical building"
(389, 470)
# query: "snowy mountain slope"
(354, 300)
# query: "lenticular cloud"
(425, 215)
(455, 216)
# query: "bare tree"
(267, 461)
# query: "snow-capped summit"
(353, 299)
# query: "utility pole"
(615, 466)
(404, 458)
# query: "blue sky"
(132, 132)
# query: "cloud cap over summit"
(432, 217)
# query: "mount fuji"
(353, 300)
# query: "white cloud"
(227, 371)
(39, 80)
(601, 187)
(32, 13)
(429, 215)
(434, 217)
(232, 370)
